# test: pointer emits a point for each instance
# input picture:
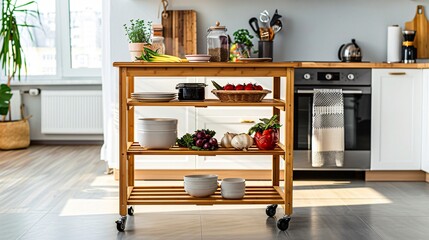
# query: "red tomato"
(258, 87)
(249, 86)
(229, 87)
(239, 87)
(267, 140)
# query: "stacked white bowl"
(233, 188)
(200, 185)
(156, 133)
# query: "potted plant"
(138, 33)
(266, 133)
(14, 19)
(242, 45)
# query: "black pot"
(191, 91)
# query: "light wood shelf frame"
(155, 195)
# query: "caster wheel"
(120, 224)
(271, 210)
(131, 211)
(283, 223)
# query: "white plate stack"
(153, 96)
(200, 185)
(156, 133)
(233, 188)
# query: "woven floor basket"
(240, 95)
(14, 134)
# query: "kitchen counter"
(362, 65)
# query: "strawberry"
(239, 87)
(249, 86)
(229, 87)
(258, 87)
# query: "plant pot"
(14, 134)
(136, 49)
(267, 140)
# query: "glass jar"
(217, 43)
(158, 44)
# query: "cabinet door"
(186, 123)
(396, 119)
(235, 120)
(425, 124)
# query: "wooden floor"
(61, 192)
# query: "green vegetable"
(265, 124)
(186, 141)
(217, 86)
(138, 31)
(153, 56)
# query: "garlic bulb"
(226, 140)
(242, 141)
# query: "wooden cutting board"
(420, 25)
(180, 32)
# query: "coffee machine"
(409, 52)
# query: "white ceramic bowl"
(233, 188)
(156, 124)
(201, 177)
(157, 139)
(200, 192)
(200, 185)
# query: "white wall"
(314, 29)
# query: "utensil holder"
(265, 49)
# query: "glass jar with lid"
(217, 43)
(157, 39)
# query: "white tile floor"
(81, 203)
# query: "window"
(65, 46)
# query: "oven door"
(357, 128)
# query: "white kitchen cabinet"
(396, 141)
(425, 122)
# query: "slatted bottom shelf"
(163, 195)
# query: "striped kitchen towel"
(327, 140)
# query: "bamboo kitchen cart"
(282, 75)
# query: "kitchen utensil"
(191, 91)
(275, 17)
(350, 52)
(265, 31)
(277, 26)
(180, 32)
(420, 25)
(264, 17)
(253, 22)
(409, 52)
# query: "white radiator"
(72, 112)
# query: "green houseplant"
(242, 44)
(139, 36)
(15, 18)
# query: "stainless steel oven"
(356, 88)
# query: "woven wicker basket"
(240, 95)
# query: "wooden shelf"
(136, 149)
(210, 102)
(164, 195)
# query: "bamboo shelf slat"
(162, 195)
(136, 149)
(211, 102)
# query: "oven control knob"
(328, 76)
(307, 76)
(351, 76)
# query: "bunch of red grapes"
(204, 139)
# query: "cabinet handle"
(247, 121)
(397, 73)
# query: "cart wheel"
(120, 224)
(283, 223)
(131, 211)
(271, 210)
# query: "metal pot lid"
(190, 85)
(217, 27)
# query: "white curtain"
(109, 150)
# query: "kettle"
(350, 52)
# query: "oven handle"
(344, 92)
